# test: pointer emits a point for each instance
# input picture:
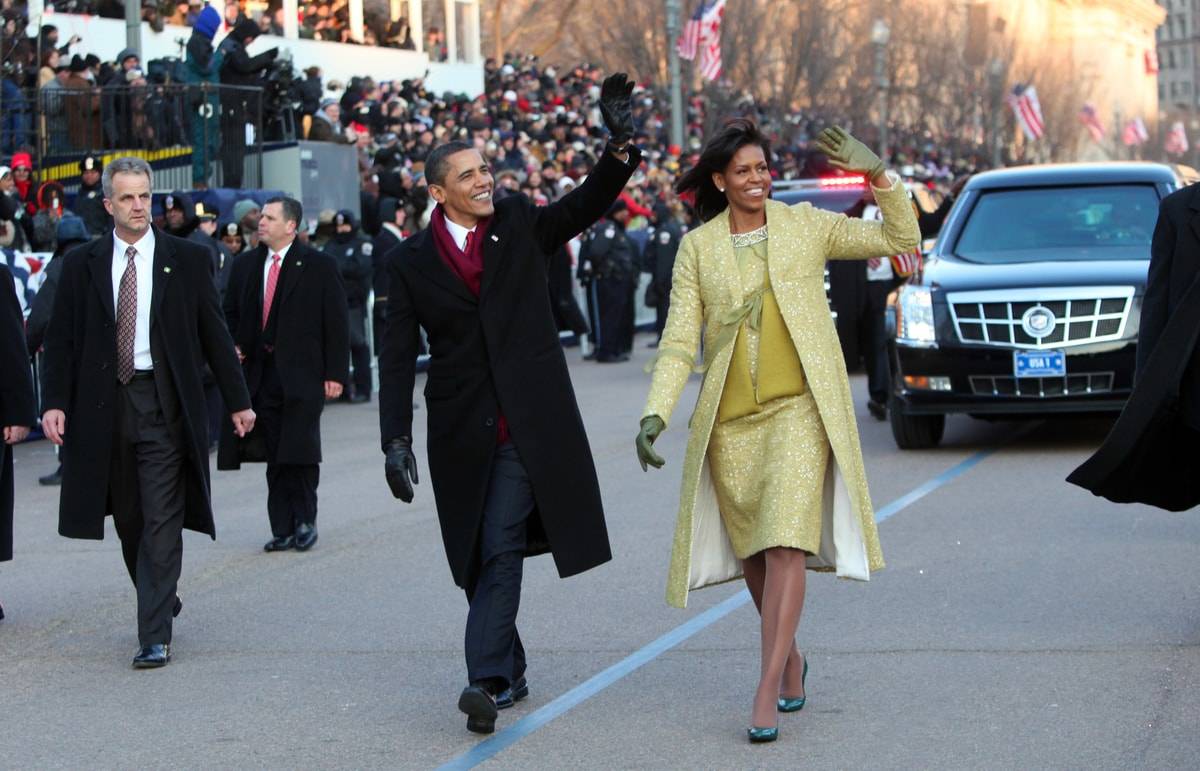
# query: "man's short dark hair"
(292, 210)
(437, 165)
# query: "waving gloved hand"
(616, 107)
(652, 426)
(400, 468)
(847, 153)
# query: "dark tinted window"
(1102, 222)
(832, 199)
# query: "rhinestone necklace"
(749, 238)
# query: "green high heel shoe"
(762, 735)
(796, 704)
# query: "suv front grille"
(1081, 316)
(1041, 387)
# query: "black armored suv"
(1030, 299)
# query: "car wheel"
(915, 432)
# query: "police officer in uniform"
(352, 252)
(660, 262)
(206, 235)
(608, 258)
(89, 201)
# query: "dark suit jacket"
(309, 329)
(186, 332)
(16, 397)
(499, 351)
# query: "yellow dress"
(769, 451)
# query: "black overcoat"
(1148, 455)
(309, 329)
(186, 332)
(499, 353)
(17, 405)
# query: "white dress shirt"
(144, 267)
(267, 266)
(458, 233)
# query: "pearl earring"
(721, 189)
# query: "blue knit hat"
(208, 22)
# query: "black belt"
(143, 374)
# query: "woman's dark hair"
(714, 158)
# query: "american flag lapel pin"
(166, 269)
(496, 238)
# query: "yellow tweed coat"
(707, 286)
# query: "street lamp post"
(880, 35)
(995, 74)
(673, 67)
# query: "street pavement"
(1021, 623)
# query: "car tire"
(915, 432)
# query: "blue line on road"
(489, 748)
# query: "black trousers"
(661, 310)
(612, 298)
(291, 487)
(493, 646)
(872, 339)
(378, 323)
(233, 143)
(628, 320)
(146, 487)
(360, 352)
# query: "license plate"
(1039, 363)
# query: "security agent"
(89, 201)
(352, 253)
(607, 260)
(206, 235)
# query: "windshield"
(1102, 222)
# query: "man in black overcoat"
(391, 219)
(1147, 457)
(135, 320)
(512, 471)
(286, 308)
(17, 407)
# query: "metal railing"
(223, 127)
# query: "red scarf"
(468, 266)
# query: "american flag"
(1024, 103)
(702, 35)
(1177, 142)
(904, 265)
(1090, 118)
(1135, 133)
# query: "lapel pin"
(166, 269)
(298, 263)
(496, 238)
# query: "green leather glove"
(847, 153)
(652, 426)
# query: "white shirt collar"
(458, 232)
(144, 245)
(282, 252)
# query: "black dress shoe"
(306, 536)
(512, 694)
(280, 543)
(175, 611)
(480, 707)
(878, 410)
(52, 479)
(1, 612)
(360, 398)
(152, 656)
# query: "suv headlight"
(914, 311)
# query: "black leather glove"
(400, 468)
(652, 426)
(616, 107)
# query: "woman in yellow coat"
(773, 480)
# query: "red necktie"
(269, 295)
